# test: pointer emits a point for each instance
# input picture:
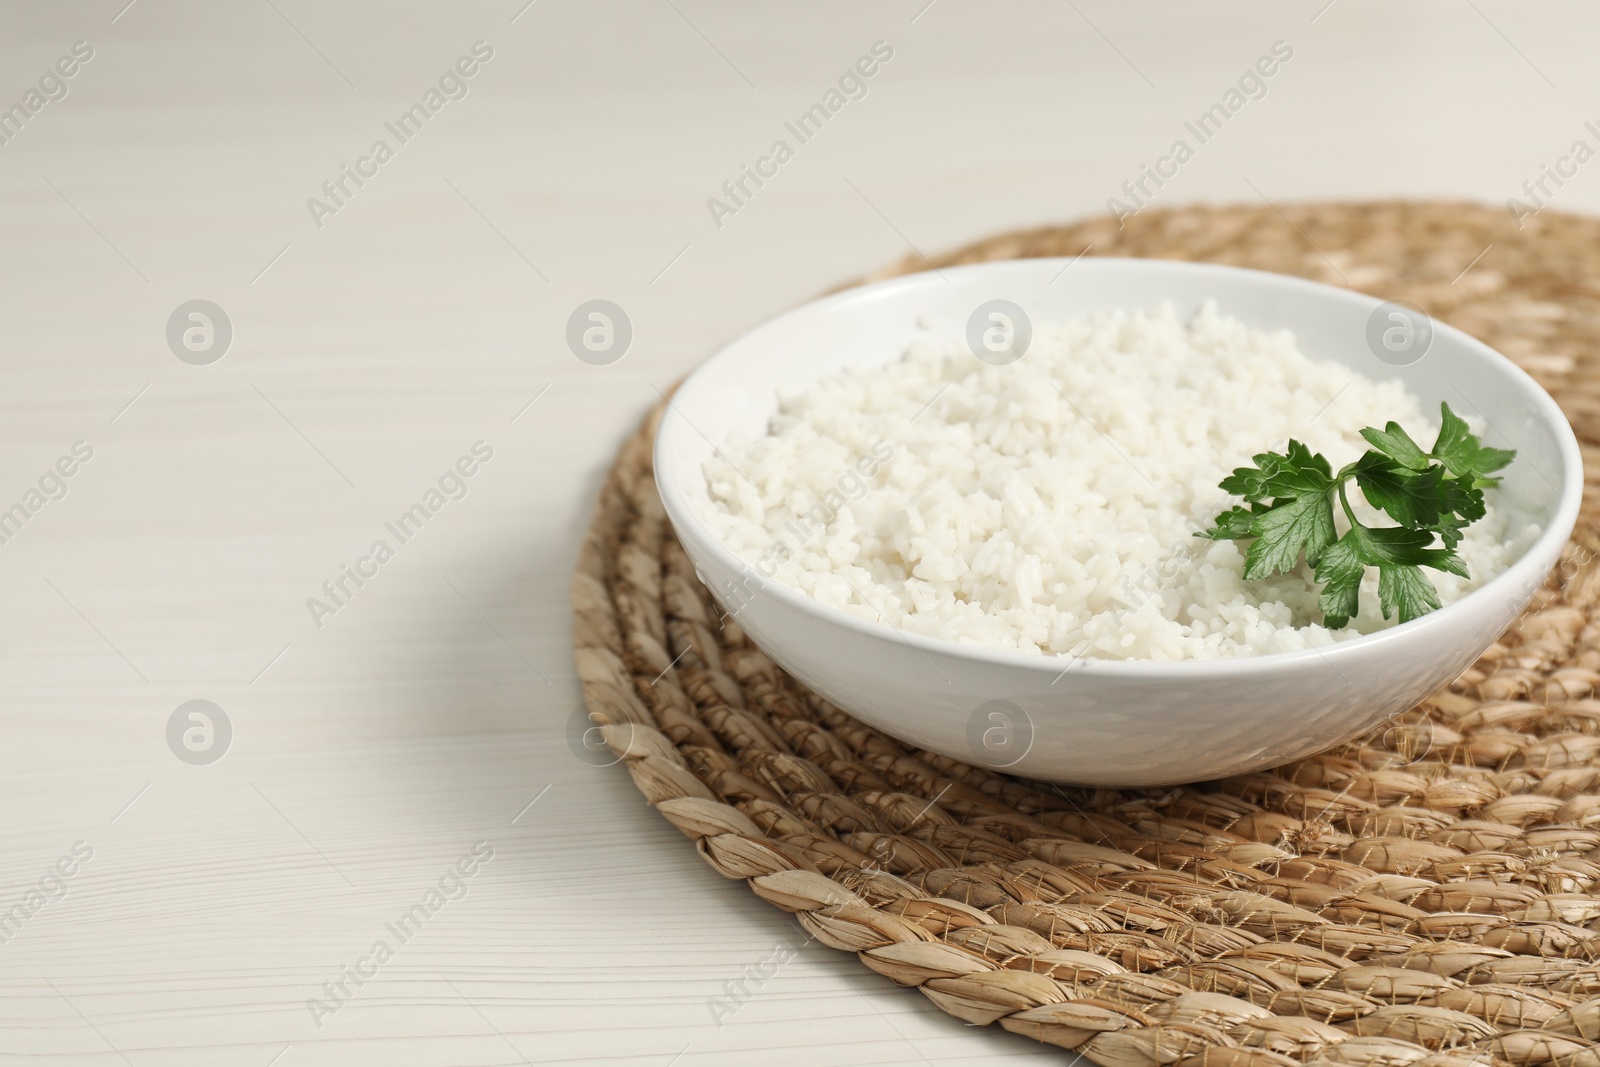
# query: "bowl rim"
(686, 520)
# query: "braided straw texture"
(1428, 894)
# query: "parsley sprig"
(1288, 513)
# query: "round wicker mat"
(1427, 894)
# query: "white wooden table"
(376, 742)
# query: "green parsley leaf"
(1279, 475)
(1414, 498)
(1304, 524)
(1233, 524)
(1463, 454)
(1404, 589)
(1381, 545)
(1464, 505)
(1394, 442)
(1433, 495)
(1303, 472)
(1340, 570)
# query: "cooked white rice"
(1050, 505)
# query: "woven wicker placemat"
(1429, 893)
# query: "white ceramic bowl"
(1113, 723)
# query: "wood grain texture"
(416, 721)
